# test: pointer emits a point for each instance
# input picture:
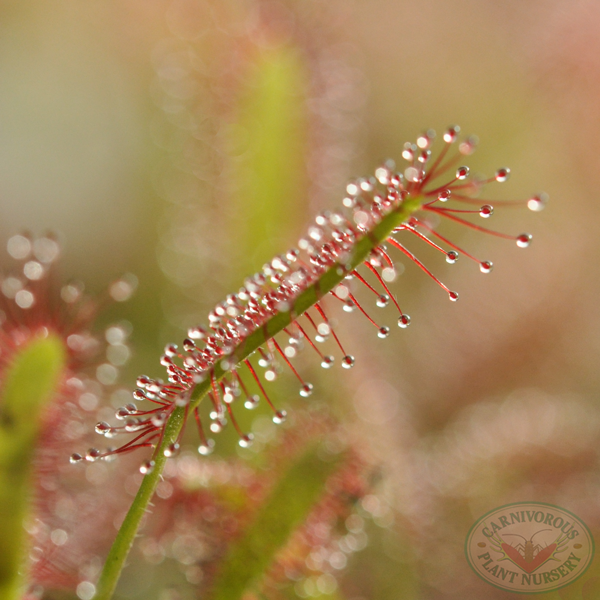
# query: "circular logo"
(529, 547)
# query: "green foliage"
(269, 176)
(279, 516)
(29, 382)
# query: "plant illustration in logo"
(528, 555)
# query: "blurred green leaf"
(29, 383)
(270, 140)
(287, 507)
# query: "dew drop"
(139, 394)
(188, 345)
(424, 156)
(486, 211)
(132, 425)
(404, 321)
(93, 454)
(444, 195)
(327, 362)
(246, 440)
(352, 189)
(279, 417)
(172, 449)
(412, 174)
(197, 333)
(423, 141)
(453, 296)
(348, 361)
(158, 420)
(486, 266)
(24, 299)
(71, 292)
(361, 218)
(316, 233)
(341, 291)
(102, 428)
(147, 467)
(383, 332)
(396, 180)
(45, 249)
(206, 449)
(468, 146)
(383, 175)
(19, 247)
(538, 202)
(462, 173)
(408, 154)
(218, 425)
(524, 240)
(252, 402)
(383, 300)
(33, 270)
(171, 350)
(118, 354)
(306, 390)
(349, 306)
(451, 134)
(366, 185)
(388, 274)
(451, 257)
(122, 289)
(502, 175)
(10, 286)
(324, 329)
(75, 458)
(374, 260)
(86, 590)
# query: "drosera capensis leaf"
(332, 277)
(376, 210)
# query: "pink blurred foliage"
(72, 521)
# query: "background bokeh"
(488, 401)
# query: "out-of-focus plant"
(53, 367)
(289, 523)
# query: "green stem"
(308, 298)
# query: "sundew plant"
(235, 467)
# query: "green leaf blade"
(287, 507)
(29, 384)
